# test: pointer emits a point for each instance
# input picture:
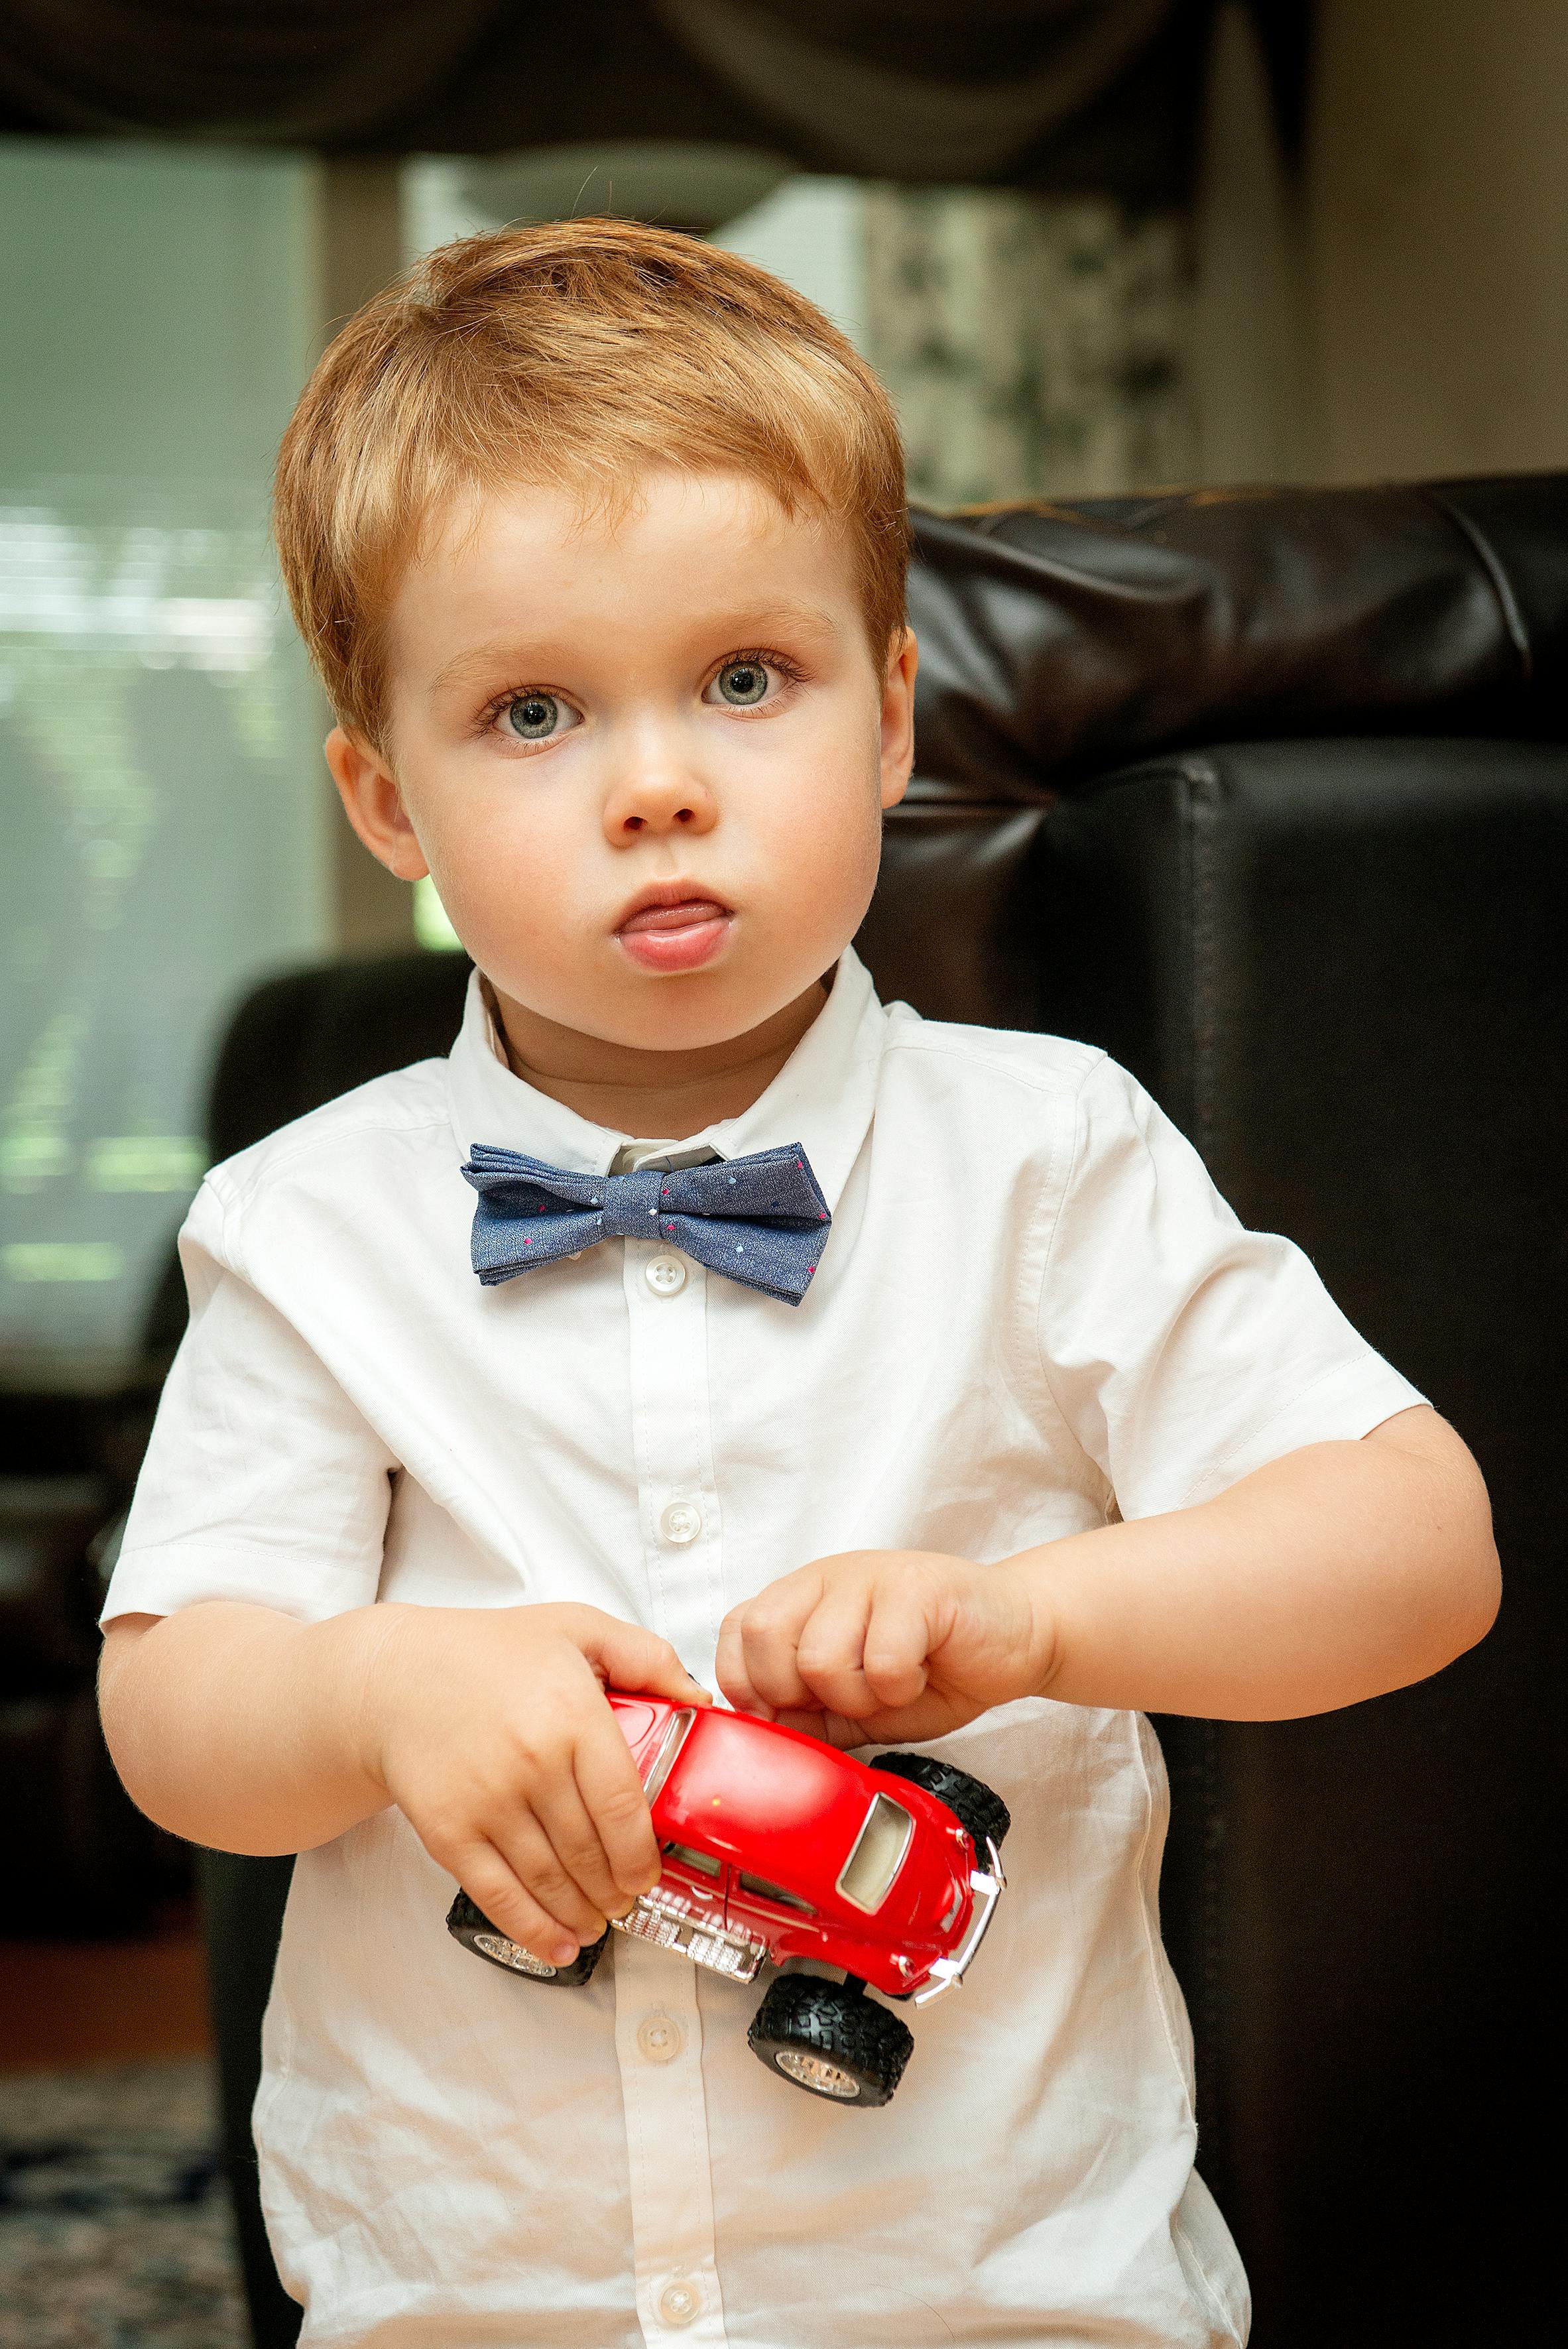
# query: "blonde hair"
(575, 355)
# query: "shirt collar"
(823, 1097)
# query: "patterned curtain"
(1035, 346)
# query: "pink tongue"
(676, 917)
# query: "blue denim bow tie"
(760, 1220)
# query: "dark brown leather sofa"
(1268, 795)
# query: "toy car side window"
(766, 1891)
(701, 1863)
(670, 1744)
(878, 1855)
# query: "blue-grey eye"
(533, 716)
(742, 683)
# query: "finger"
(930, 1716)
(574, 1840)
(489, 1882)
(729, 1665)
(526, 1845)
(612, 1794)
(831, 1650)
(625, 1656)
(897, 1641)
(827, 1728)
(770, 1639)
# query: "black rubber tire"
(982, 1815)
(802, 2014)
(466, 1921)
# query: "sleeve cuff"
(161, 1581)
(1345, 1403)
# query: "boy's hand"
(489, 1730)
(882, 1646)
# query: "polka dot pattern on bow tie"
(530, 1214)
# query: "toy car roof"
(772, 1801)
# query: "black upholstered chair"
(1268, 795)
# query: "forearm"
(237, 1727)
(1330, 1575)
(241, 1728)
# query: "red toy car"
(777, 1847)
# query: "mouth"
(673, 926)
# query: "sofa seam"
(1498, 579)
(1201, 790)
(1202, 782)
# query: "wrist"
(1037, 1576)
(372, 1674)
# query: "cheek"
(493, 852)
(822, 826)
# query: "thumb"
(625, 1656)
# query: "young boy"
(597, 537)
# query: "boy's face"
(644, 759)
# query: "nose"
(654, 796)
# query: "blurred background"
(1093, 247)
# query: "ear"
(374, 804)
(898, 717)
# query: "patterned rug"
(115, 2230)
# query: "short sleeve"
(262, 1481)
(1183, 1350)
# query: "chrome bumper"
(701, 1939)
(988, 1886)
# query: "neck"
(652, 1096)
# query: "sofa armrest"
(1057, 641)
(1340, 966)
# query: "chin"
(694, 1010)
(671, 1024)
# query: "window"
(766, 1891)
(161, 802)
(701, 1863)
(670, 1744)
(878, 1855)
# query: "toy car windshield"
(878, 1855)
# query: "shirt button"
(665, 1276)
(660, 2038)
(682, 1522)
(679, 2302)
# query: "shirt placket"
(658, 2028)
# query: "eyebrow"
(805, 617)
(799, 619)
(476, 662)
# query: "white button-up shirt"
(1032, 1311)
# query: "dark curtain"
(1064, 94)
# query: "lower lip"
(685, 947)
